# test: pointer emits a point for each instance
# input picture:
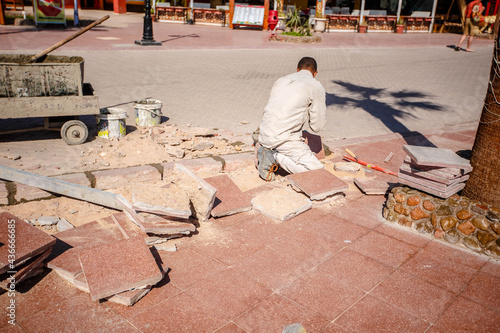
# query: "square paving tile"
(438, 271)
(456, 255)
(374, 186)
(77, 314)
(318, 184)
(29, 241)
(119, 266)
(485, 290)
(281, 204)
(188, 266)
(404, 235)
(373, 315)
(182, 313)
(466, 316)
(229, 293)
(384, 249)
(126, 226)
(322, 293)
(414, 295)
(307, 246)
(360, 214)
(230, 328)
(229, 198)
(273, 268)
(440, 157)
(276, 312)
(492, 267)
(355, 269)
(337, 229)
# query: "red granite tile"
(318, 184)
(273, 268)
(336, 229)
(454, 255)
(434, 269)
(11, 328)
(334, 328)
(182, 313)
(229, 198)
(77, 314)
(492, 267)
(119, 266)
(259, 190)
(126, 226)
(355, 269)
(373, 315)
(484, 289)
(232, 244)
(374, 186)
(188, 266)
(404, 235)
(413, 295)
(359, 213)
(467, 316)
(230, 328)
(47, 291)
(307, 246)
(229, 293)
(303, 220)
(276, 312)
(322, 293)
(28, 240)
(384, 249)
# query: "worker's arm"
(317, 111)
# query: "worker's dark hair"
(308, 63)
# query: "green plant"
(297, 24)
(400, 22)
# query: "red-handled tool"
(354, 158)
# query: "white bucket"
(147, 112)
(111, 123)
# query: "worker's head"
(309, 64)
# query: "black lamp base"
(145, 42)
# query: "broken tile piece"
(201, 194)
(441, 194)
(424, 182)
(229, 199)
(47, 220)
(440, 157)
(120, 266)
(318, 184)
(162, 226)
(373, 186)
(29, 269)
(163, 200)
(126, 226)
(64, 225)
(130, 297)
(448, 173)
(281, 204)
(29, 241)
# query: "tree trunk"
(484, 182)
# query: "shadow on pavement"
(369, 99)
(174, 37)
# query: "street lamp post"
(147, 36)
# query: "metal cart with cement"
(51, 88)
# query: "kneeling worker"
(294, 99)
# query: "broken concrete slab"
(201, 194)
(47, 220)
(373, 186)
(30, 193)
(108, 179)
(315, 144)
(229, 199)
(167, 199)
(281, 204)
(439, 157)
(441, 194)
(318, 184)
(235, 162)
(162, 226)
(204, 167)
(347, 167)
(64, 258)
(64, 225)
(411, 171)
(29, 241)
(120, 266)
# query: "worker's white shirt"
(293, 99)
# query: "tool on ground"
(61, 43)
(351, 153)
(388, 158)
(371, 166)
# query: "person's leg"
(296, 156)
(462, 39)
(469, 43)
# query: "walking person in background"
(473, 15)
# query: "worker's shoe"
(266, 163)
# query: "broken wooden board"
(28, 241)
(318, 184)
(120, 266)
(229, 199)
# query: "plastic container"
(111, 123)
(147, 112)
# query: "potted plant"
(363, 27)
(319, 20)
(400, 26)
(296, 25)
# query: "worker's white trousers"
(296, 156)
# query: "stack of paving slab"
(436, 171)
(23, 249)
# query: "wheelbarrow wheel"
(74, 132)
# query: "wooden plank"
(24, 107)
